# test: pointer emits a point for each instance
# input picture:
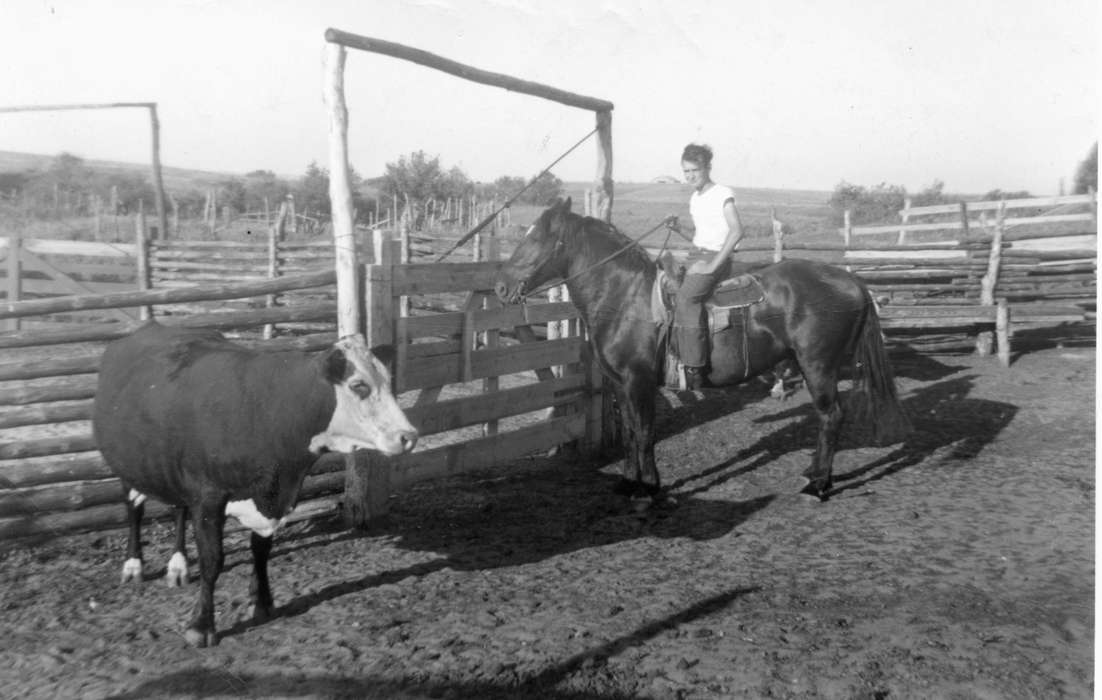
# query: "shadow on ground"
(213, 682)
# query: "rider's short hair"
(698, 153)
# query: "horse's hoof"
(200, 639)
(132, 570)
(817, 491)
(261, 613)
(176, 572)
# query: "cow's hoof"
(200, 639)
(132, 570)
(176, 573)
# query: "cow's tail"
(875, 402)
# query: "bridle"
(669, 222)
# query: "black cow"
(191, 419)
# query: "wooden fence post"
(847, 229)
(158, 179)
(14, 270)
(275, 235)
(603, 186)
(145, 278)
(778, 236)
(964, 219)
(905, 215)
(1094, 208)
(367, 484)
(991, 278)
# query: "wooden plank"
(492, 362)
(483, 453)
(450, 324)
(44, 447)
(36, 471)
(87, 249)
(1033, 203)
(958, 225)
(109, 516)
(42, 414)
(435, 278)
(217, 320)
(80, 495)
(65, 283)
(453, 414)
(41, 288)
(22, 393)
(166, 296)
(430, 60)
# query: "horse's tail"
(875, 401)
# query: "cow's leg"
(135, 509)
(208, 519)
(260, 593)
(176, 573)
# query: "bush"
(867, 206)
(1086, 176)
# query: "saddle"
(727, 310)
(738, 292)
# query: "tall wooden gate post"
(360, 465)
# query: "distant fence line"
(963, 212)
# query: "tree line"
(882, 203)
(68, 186)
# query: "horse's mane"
(592, 239)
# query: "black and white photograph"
(614, 349)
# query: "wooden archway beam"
(477, 75)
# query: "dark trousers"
(690, 323)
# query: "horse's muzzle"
(501, 289)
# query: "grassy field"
(637, 207)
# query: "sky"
(793, 94)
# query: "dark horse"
(816, 314)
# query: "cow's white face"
(367, 416)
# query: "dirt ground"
(958, 564)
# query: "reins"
(516, 195)
(670, 222)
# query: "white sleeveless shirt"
(708, 217)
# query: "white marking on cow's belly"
(136, 498)
(247, 514)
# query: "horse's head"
(539, 257)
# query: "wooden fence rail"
(58, 482)
(962, 213)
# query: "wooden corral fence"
(362, 479)
(992, 282)
(35, 267)
(968, 217)
(52, 477)
(485, 382)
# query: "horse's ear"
(567, 204)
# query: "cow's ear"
(386, 354)
(334, 366)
